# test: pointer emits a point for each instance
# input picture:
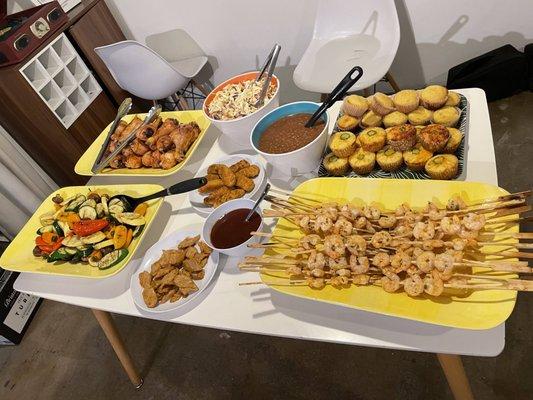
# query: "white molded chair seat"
(367, 33)
(189, 67)
(141, 71)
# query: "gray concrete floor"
(66, 356)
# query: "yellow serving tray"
(19, 256)
(483, 309)
(86, 162)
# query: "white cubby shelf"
(62, 80)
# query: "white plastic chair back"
(141, 71)
(364, 32)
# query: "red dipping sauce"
(232, 230)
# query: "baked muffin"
(343, 144)
(394, 118)
(362, 161)
(372, 139)
(454, 141)
(401, 137)
(447, 116)
(370, 119)
(406, 101)
(347, 123)
(433, 97)
(453, 99)
(434, 137)
(420, 116)
(389, 159)
(355, 105)
(417, 157)
(442, 166)
(335, 165)
(381, 104)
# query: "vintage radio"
(23, 32)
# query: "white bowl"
(219, 212)
(197, 200)
(302, 160)
(238, 130)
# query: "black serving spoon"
(340, 90)
(182, 187)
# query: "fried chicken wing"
(151, 159)
(138, 147)
(133, 161)
(163, 143)
(184, 137)
(149, 130)
(168, 160)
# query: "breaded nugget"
(226, 175)
(191, 252)
(150, 297)
(239, 165)
(213, 168)
(189, 241)
(204, 248)
(169, 278)
(171, 257)
(214, 197)
(161, 272)
(211, 186)
(168, 296)
(190, 288)
(155, 267)
(212, 177)
(250, 172)
(245, 183)
(198, 275)
(175, 297)
(145, 279)
(191, 265)
(232, 195)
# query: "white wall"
(435, 35)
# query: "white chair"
(142, 72)
(364, 32)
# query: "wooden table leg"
(108, 326)
(456, 376)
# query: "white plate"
(153, 254)
(197, 200)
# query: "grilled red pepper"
(88, 227)
(48, 248)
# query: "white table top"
(254, 309)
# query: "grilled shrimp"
(334, 246)
(424, 231)
(381, 239)
(381, 260)
(356, 244)
(425, 261)
(451, 225)
(359, 265)
(474, 222)
(413, 285)
(343, 227)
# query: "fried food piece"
(191, 252)
(226, 175)
(163, 143)
(151, 159)
(133, 162)
(168, 296)
(118, 131)
(145, 279)
(212, 177)
(150, 297)
(160, 274)
(117, 162)
(204, 262)
(245, 183)
(188, 242)
(199, 257)
(175, 297)
(204, 248)
(233, 194)
(172, 257)
(155, 267)
(168, 160)
(191, 265)
(139, 148)
(211, 186)
(198, 275)
(213, 168)
(189, 288)
(239, 165)
(168, 279)
(250, 172)
(214, 197)
(182, 280)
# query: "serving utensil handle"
(178, 188)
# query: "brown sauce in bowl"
(289, 133)
(232, 230)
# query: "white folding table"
(227, 306)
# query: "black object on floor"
(500, 73)
(528, 51)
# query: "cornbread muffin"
(381, 104)
(447, 116)
(362, 161)
(442, 166)
(417, 157)
(347, 123)
(355, 105)
(372, 139)
(453, 99)
(434, 137)
(401, 137)
(343, 144)
(454, 141)
(335, 165)
(370, 119)
(394, 118)
(420, 116)
(406, 101)
(433, 97)
(389, 159)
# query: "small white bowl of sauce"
(226, 231)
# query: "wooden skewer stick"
(521, 235)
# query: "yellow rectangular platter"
(86, 162)
(483, 309)
(19, 255)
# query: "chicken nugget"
(250, 172)
(191, 265)
(155, 267)
(163, 271)
(171, 257)
(198, 275)
(145, 279)
(189, 241)
(239, 165)
(214, 197)
(169, 278)
(245, 183)
(168, 296)
(211, 186)
(199, 257)
(226, 175)
(190, 288)
(212, 177)
(191, 252)
(213, 168)
(204, 248)
(150, 297)
(175, 297)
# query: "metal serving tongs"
(340, 90)
(270, 62)
(152, 114)
(123, 110)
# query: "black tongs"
(270, 62)
(340, 90)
